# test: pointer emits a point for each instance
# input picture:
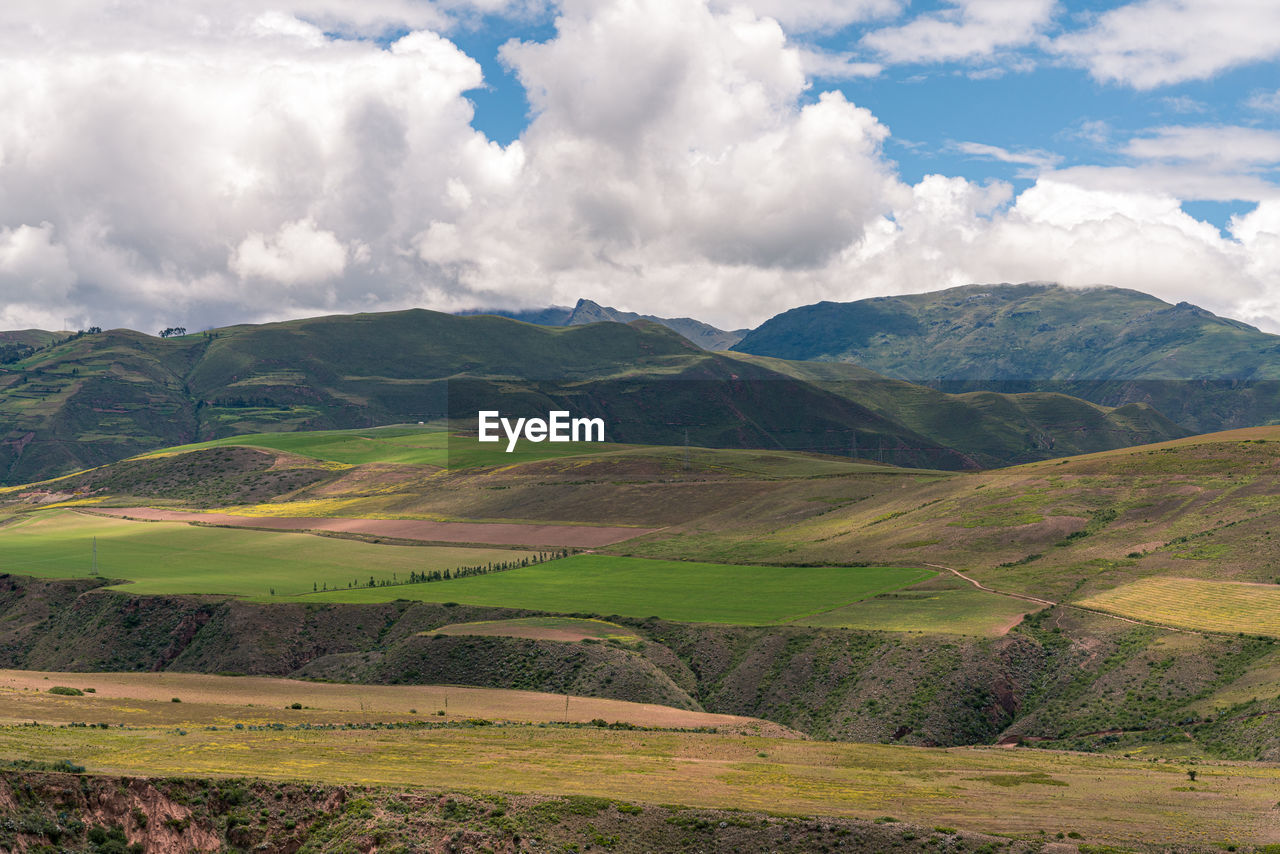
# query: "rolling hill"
(1109, 345)
(586, 311)
(93, 398)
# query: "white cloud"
(201, 163)
(297, 253)
(1264, 102)
(1027, 156)
(969, 29)
(1153, 43)
(1226, 145)
(836, 66)
(808, 15)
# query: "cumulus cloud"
(1153, 43)
(808, 15)
(198, 163)
(968, 29)
(298, 253)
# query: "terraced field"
(1189, 603)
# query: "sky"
(200, 163)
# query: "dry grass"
(1010, 791)
(1212, 606)
(139, 699)
(543, 628)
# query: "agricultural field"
(168, 558)
(674, 590)
(944, 605)
(567, 629)
(426, 445)
(1025, 793)
(1210, 606)
(147, 699)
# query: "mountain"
(704, 335)
(98, 397)
(1109, 345)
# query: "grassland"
(673, 590)
(426, 445)
(939, 606)
(1212, 606)
(1104, 799)
(169, 558)
(430, 445)
(146, 699)
(544, 628)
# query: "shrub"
(66, 691)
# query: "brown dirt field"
(488, 533)
(142, 699)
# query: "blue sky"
(1022, 100)
(721, 159)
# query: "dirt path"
(1047, 602)
(485, 533)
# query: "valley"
(888, 633)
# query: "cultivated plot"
(167, 558)
(142, 699)
(960, 612)
(1211, 606)
(674, 590)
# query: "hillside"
(1125, 591)
(95, 398)
(586, 311)
(1108, 345)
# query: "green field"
(543, 628)
(966, 611)
(169, 558)
(403, 445)
(430, 445)
(673, 590)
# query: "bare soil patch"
(488, 533)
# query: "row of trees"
(448, 574)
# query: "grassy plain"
(1213, 606)
(146, 699)
(1105, 799)
(543, 628)
(168, 558)
(674, 590)
(944, 608)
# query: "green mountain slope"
(1108, 345)
(100, 397)
(586, 311)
